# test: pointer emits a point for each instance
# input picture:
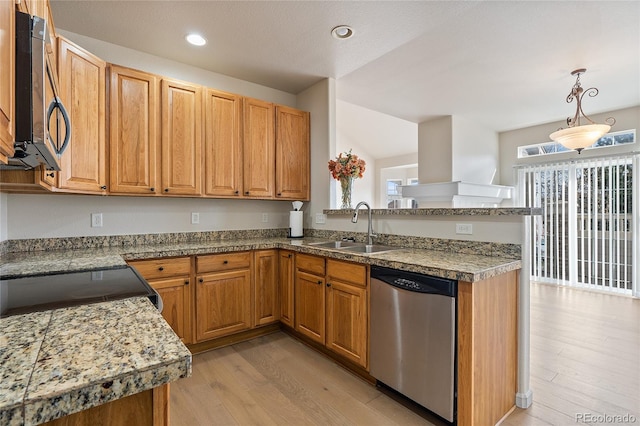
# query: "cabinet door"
(292, 154)
(223, 303)
(310, 306)
(259, 149)
(7, 80)
(267, 306)
(222, 144)
(285, 282)
(133, 136)
(176, 301)
(181, 138)
(82, 90)
(347, 321)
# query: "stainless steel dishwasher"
(413, 337)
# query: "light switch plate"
(321, 218)
(195, 218)
(265, 217)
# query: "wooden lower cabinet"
(310, 306)
(223, 294)
(286, 278)
(171, 278)
(148, 408)
(332, 305)
(347, 311)
(265, 287)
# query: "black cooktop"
(45, 292)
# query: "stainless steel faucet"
(354, 219)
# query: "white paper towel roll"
(295, 224)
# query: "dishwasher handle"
(414, 282)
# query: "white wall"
(435, 150)
(370, 133)
(3, 217)
(41, 216)
(475, 151)
(626, 119)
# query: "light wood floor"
(585, 355)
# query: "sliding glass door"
(588, 232)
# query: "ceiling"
(504, 64)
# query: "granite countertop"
(446, 264)
(67, 360)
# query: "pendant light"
(579, 136)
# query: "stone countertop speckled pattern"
(62, 361)
(471, 211)
(445, 264)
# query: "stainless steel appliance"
(37, 104)
(44, 292)
(413, 337)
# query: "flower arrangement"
(345, 168)
(347, 165)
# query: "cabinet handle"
(225, 262)
(328, 284)
(166, 190)
(103, 187)
(201, 280)
(161, 268)
(186, 282)
(51, 174)
(152, 189)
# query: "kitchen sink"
(337, 244)
(369, 248)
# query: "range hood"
(457, 194)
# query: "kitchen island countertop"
(445, 264)
(63, 361)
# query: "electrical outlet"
(265, 217)
(195, 218)
(321, 218)
(96, 220)
(464, 228)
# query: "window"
(610, 139)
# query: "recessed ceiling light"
(196, 39)
(342, 32)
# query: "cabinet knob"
(319, 281)
(186, 282)
(51, 174)
(166, 190)
(201, 280)
(161, 268)
(237, 192)
(103, 187)
(279, 194)
(152, 189)
(328, 284)
(225, 262)
(289, 255)
(246, 193)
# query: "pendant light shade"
(580, 136)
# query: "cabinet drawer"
(313, 264)
(223, 262)
(347, 272)
(162, 268)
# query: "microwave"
(43, 129)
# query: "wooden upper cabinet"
(7, 79)
(259, 149)
(223, 144)
(82, 90)
(181, 138)
(133, 136)
(292, 154)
